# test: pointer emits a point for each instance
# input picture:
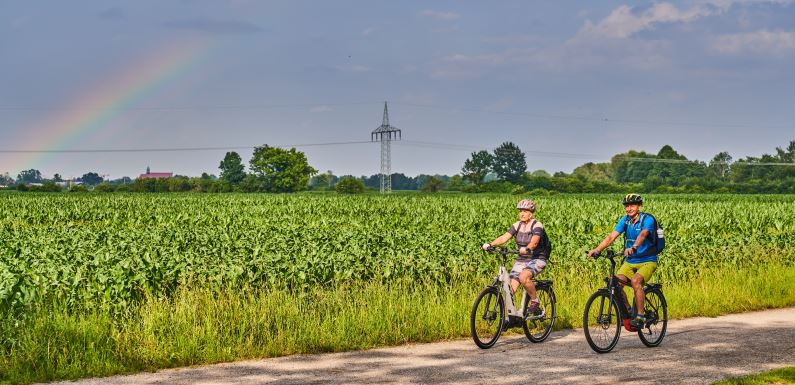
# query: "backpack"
(657, 237)
(545, 244)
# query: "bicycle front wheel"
(601, 322)
(487, 317)
(538, 324)
(656, 310)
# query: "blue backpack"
(657, 237)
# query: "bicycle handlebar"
(608, 255)
(501, 250)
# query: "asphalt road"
(695, 351)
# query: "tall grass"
(197, 325)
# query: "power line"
(684, 161)
(604, 119)
(207, 107)
(409, 143)
(186, 108)
(179, 149)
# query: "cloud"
(573, 55)
(113, 13)
(319, 109)
(369, 31)
(352, 68)
(221, 27)
(439, 15)
(624, 21)
(760, 42)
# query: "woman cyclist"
(530, 236)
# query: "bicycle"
(609, 304)
(489, 310)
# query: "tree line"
(277, 170)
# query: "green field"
(100, 284)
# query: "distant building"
(155, 175)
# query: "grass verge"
(198, 326)
(774, 377)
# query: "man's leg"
(624, 282)
(640, 296)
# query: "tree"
(29, 176)
(349, 185)
(232, 169)
(323, 181)
(432, 184)
(57, 178)
(91, 179)
(787, 155)
(509, 162)
(6, 179)
(281, 170)
(720, 164)
(542, 173)
(594, 171)
(476, 167)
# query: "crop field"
(141, 281)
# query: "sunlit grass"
(781, 376)
(197, 326)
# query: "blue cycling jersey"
(633, 231)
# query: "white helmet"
(526, 204)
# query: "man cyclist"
(639, 264)
(531, 260)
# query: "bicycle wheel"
(656, 310)
(538, 325)
(601, 322)
(487, 317)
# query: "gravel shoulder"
(695, 351)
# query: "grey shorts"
(534, 265)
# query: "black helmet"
(632, 199)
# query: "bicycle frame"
(503, 282)
(616, 289)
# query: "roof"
(156, 175)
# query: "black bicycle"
(490, 307)
(606, 311)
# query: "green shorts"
(645, 269)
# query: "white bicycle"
(491, 311)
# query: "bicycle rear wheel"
(601, 322)
(487, 316)
(538, 326)
(656, 310)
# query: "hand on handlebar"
(524, 251)
(592, 253)
(487, 247)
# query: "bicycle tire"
(601, 331)
(489, 319)
(538, 327)
(656, 309)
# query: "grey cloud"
(760, 42)
(626, 21)
(222, 27)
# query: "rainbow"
(92, 109)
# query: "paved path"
(695, 351)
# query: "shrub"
(350, 185)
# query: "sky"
(569, 82)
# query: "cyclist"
(531, 260)
(639, 264)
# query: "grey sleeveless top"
(523, 234)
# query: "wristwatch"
(634, 250)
